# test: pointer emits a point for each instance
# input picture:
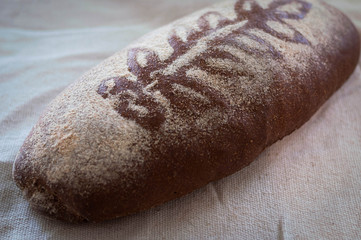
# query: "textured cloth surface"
(306, 186)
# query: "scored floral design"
(140, 100)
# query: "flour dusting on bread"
(210, 90)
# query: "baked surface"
(187, 104)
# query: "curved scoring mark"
(157, 92)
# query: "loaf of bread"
(187, 104)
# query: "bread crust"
(187, 104)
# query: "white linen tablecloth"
(307, 186)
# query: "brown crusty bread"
(187, 104)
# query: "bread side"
(187, 104)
